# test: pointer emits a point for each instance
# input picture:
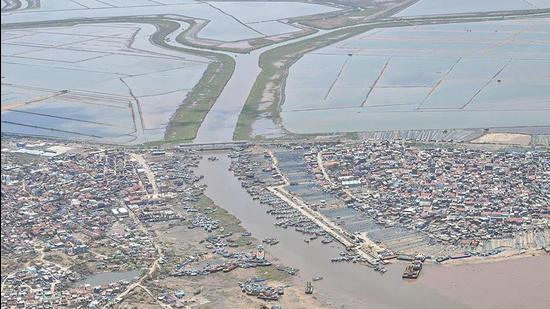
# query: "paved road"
(148, 172)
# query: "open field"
(503, 138)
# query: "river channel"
(344, 284)
(221, 121)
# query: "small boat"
(380, 268)
(309, 288)
(271, 241)
(412, 271)
(317, 278)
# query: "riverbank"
(220, 289)
(345, 285)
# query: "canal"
(221, 121)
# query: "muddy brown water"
(516, 283)
(344, 285)
(508, 284)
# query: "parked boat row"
(257, 287)
(253, 178)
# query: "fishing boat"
(309, 288)
(412, 271)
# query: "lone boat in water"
(412, 271)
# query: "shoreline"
(502, 257)
(513, 283)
